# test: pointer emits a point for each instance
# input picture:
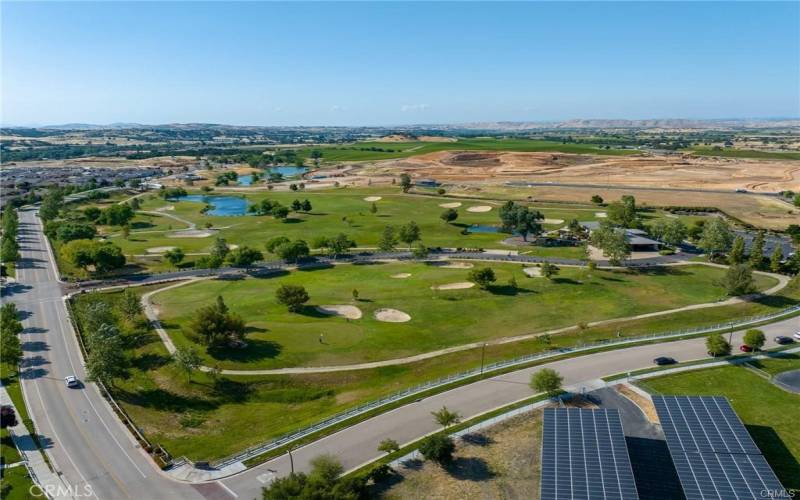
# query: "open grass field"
(371, 151)
(334, 211)
(439, 318)
(210, 418)
(769, 413)
(748, 153)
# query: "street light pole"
(291, 460)
(483, 356)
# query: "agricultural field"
(438, 318)
(748, 153)
(158, 224)
(209, 417)
(768, 412)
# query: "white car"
(71, 381)
(797, 335)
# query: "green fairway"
(440, 318)
(334, 211)
(371, 151)
(769, 413)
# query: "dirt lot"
(679, 171)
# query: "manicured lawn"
(440, 318)
(16, 484)
(210, 419)
(769, 413)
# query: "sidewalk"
(41, 474)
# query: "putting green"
(438, 318)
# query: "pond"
(481, 228)
(287, 171)
(221, 206)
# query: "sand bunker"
(600, 215)
(192, 233)
(232, 246)
(455, 204)
(341, 310)
(401, 276)
(391, 316)
(373, 198)
(479, 208)
(553, 221)
(160, 249)
(453, 265)
(454, 286)
(165, 209)
(533, 272)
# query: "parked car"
(664, 360)
(72, 381)
(797, 335)
(782, 339)
(745, 348)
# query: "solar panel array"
(584, 456)
(713, 453)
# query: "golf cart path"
(152, 315)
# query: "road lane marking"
(228, 489)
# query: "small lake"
(286, 171)
(481, 228)
(221, 206)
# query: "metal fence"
(499, 365)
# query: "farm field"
(335, 211)
(767, 411)
(438, 318)
(208, 417)
(748, 153)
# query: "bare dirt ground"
(678, 171)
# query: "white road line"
(228, 489)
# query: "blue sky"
(396, 63)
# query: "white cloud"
(414, 107)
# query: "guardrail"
(499, 365)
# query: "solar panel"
(702, 424)
(584, 456)
(713, 453)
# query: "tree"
(675, 232)
(84, 253)
(445, 417)
(482, 277)
(337, 245)
(297, 205)
(116, 215)
(326, 468)
(738, 280)
(405, 182)
(613, 242)
(373, 208)
(75, 231)
(220, 249)
(244, 256)
(716, 345)
(273, 243)
(757, 251)
(388, 239)
(419, 251)
(438, 447)
(105, 360)
(597, 199)
(215, 325)
(107, 257)
(51, 204)
(388, 446)
(293, 251)
(92, 213)
(187, 360)
(754, 338)
(549, 270)
(9, 251)
(174, 256)
(292, 296)
(547, 381)
(130, 305)
(449, 215)
(775, 259)
(280, 212)
(623, 212)
(11, 327)
(519, 219)
(409, 233)
(797, 200)
(306, 206)
(135, 204)
(736, 255)
(717, 236)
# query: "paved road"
(89, 445)
(85, 440)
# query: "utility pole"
(483, 356)
(291, 460)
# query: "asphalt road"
(89, 445)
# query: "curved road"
(89, 445)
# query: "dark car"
(745, 348)
(780, 339)
(664, 360)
